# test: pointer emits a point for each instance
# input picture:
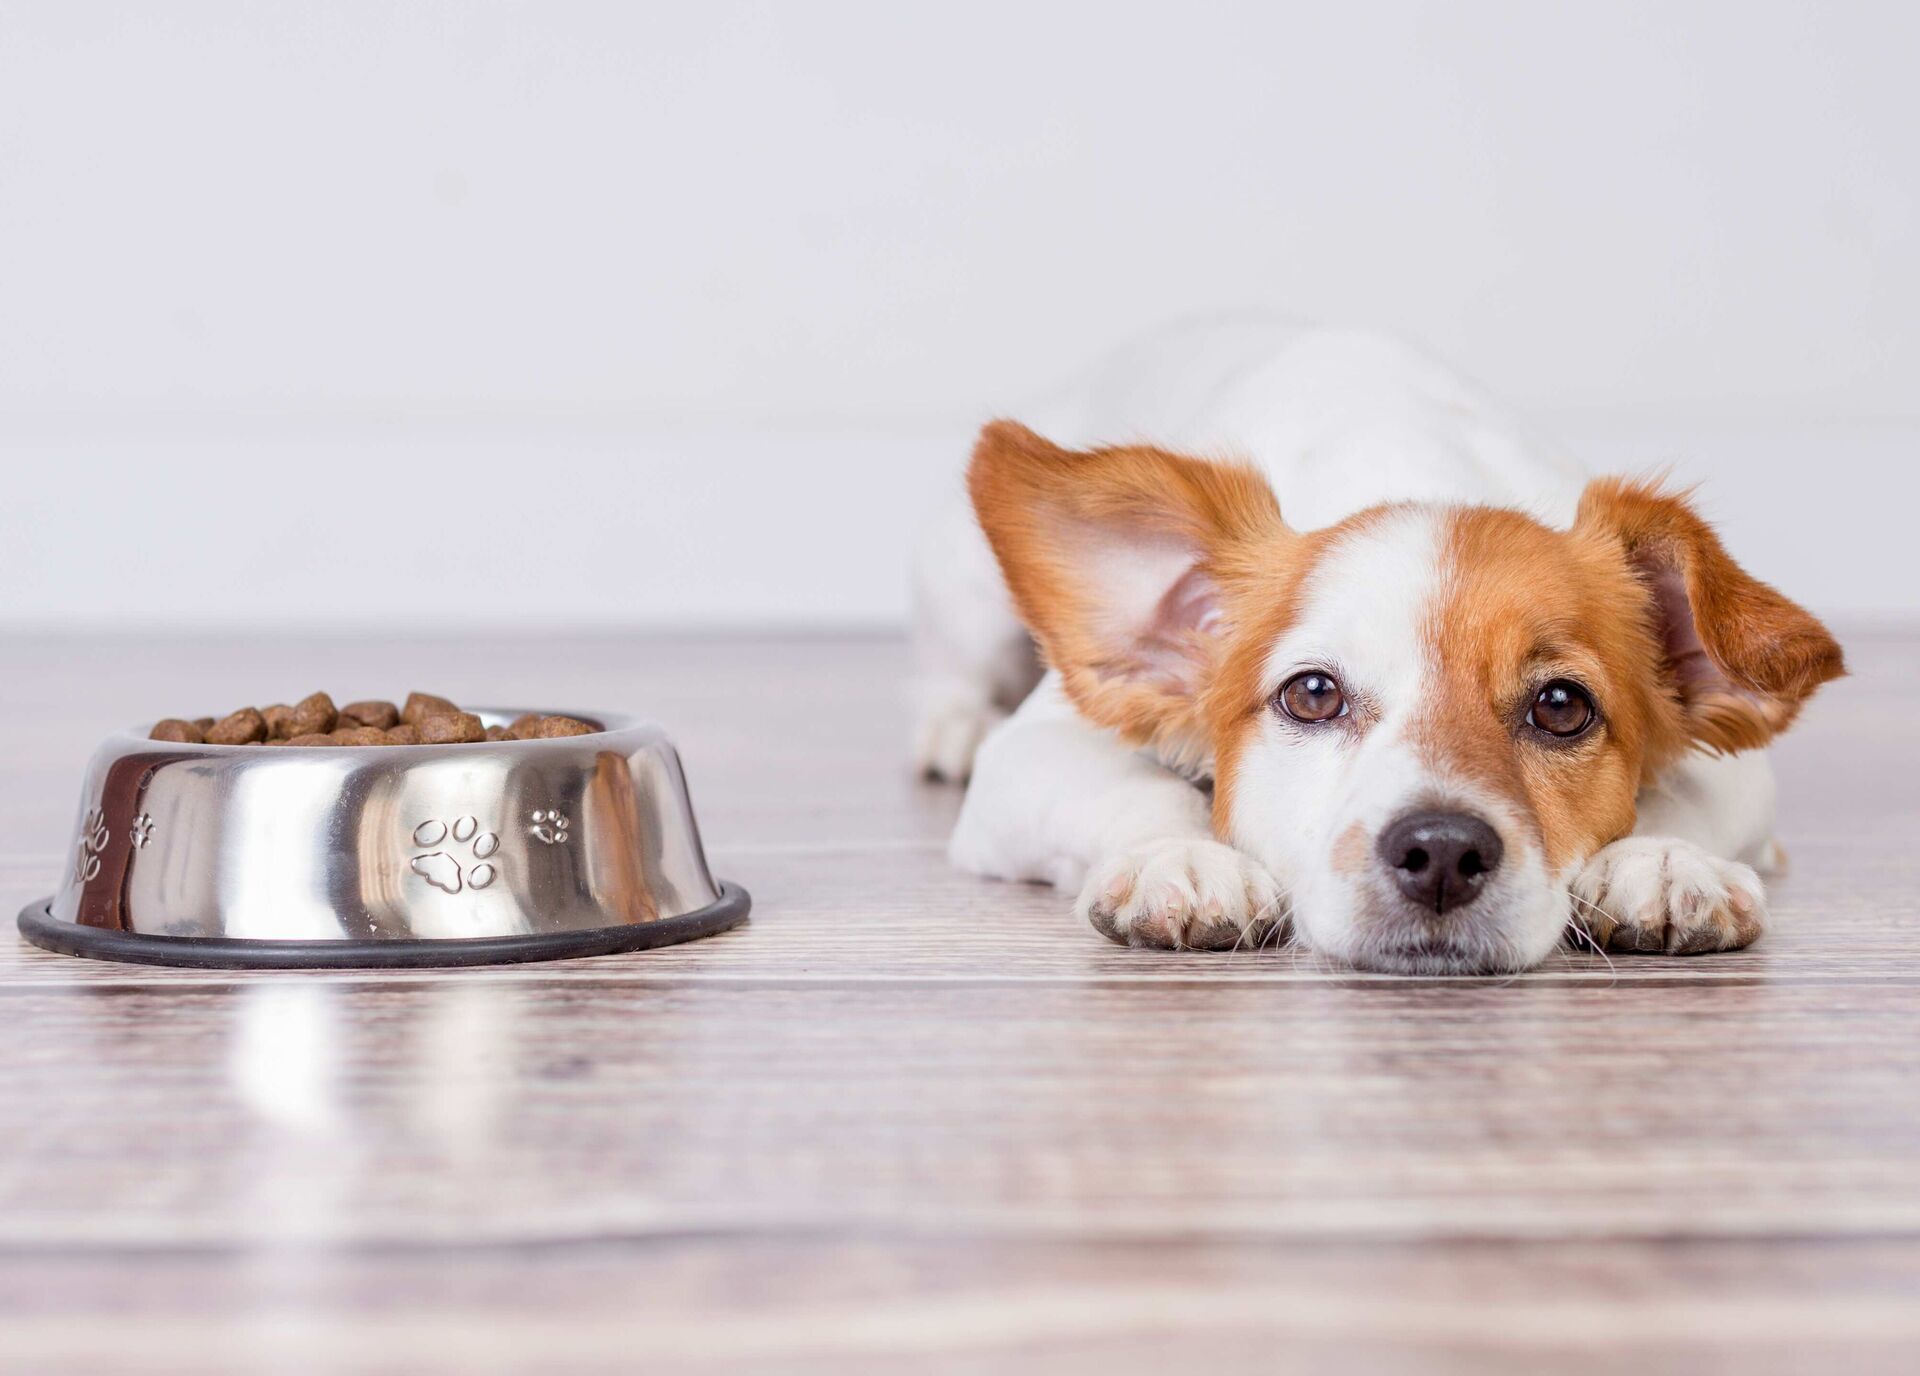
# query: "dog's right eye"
(1561, 709)
(1312, 697)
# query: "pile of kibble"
(314, 720)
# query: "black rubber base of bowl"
(230, 953)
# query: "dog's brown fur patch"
(1741, 656)
(1519, 605)
(1040, 504)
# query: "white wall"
(609, 313)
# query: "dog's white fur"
(1338, 421)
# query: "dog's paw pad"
(1184, 893)
(1666, 896)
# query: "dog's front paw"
(1182, 892)
(1653, 894)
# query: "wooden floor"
(904, 1116)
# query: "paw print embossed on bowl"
(450, 870)
(92, 845)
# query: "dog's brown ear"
(1113, 557)
(1742, 657)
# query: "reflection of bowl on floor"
(385, 855)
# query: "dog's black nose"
(1440, 859)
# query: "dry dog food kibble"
(245, 727)
(312, 715)
(420, 706)
(451, 728)
(314, 720)
(532, 728)
(371, 713)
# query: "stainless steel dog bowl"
(397, 855)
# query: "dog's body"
(1352, 679)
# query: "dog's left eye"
(1561, 709)
(1312, 697)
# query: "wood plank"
(465, 1111)
(826, 1306)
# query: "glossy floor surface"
(905, 1116)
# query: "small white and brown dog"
(1336, 652)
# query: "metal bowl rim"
(611, 724)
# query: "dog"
(1335, 651)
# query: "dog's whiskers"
(1576, 930)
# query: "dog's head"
(1423, 719)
